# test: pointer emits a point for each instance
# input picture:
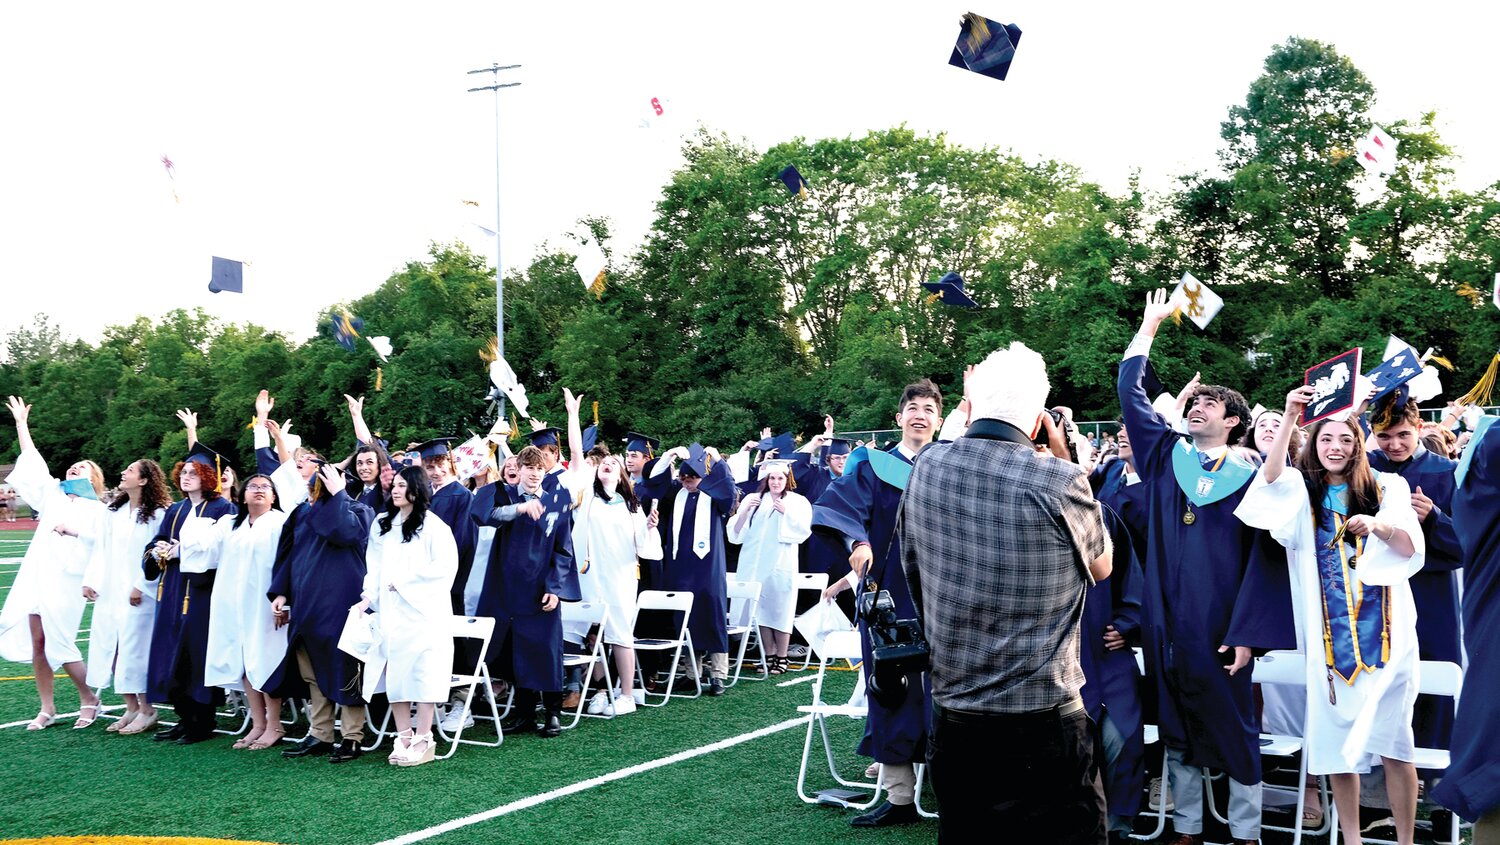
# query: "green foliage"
(749, 307)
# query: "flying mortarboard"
(985, 47)
(637, 442)
(950, 289)
(346, 329)
(794, 182)
(590, 438)
(435, 448)
(228, 275)
(1335, 383)
(591, 265)
(201, 454)
(1195, 301)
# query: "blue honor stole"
(1356, 619)
(1206, 482)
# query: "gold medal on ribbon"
(1188, 517)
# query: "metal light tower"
(499, 268)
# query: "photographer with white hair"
(1000, 542)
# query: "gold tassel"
(1483, 391)
(596, 414)
(1177, 315)
(1338, 154)
(491, 352)
(596, 287)
(1471, 293)
(515, 427)
(251, 425)
(1430, 357)
(378, 375)
(934, 297)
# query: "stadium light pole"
(499, 268)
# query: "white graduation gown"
(243, 640)
(1372, 717)
(48, 582)
(408, 585)
(607, 540)
(768, 554)
(120, 635)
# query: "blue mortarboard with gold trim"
(435, 448)
(794, 182)
(950, 289)
(590, 437)
(201, 454)
(697, 462)
(228, 275)
(544, 437)
(985, 47)
(637, 442)
(346, 329)
(838, 446)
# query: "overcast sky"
(329, 143)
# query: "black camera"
(897, 647)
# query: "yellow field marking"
(26, 678)
(130, 840)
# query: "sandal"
(123, 721)
(142, 724)
(42, 721)
(400, 746)
(248, 739)
(93, 715)
(269, 739)
(777, 666)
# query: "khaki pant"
(1487, 829)
(717, 663)
(320, 709)
(900, 781)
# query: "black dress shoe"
(519, 723)
(191, 738)
(345, 751)
(175, 732)
(553, 725)
(308, 746)
(887, 814)
(716, 687)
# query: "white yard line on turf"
(33, 719)
(619, 774)
(802, 680)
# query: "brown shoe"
(1187, 839)
(570, 701)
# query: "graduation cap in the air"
(590, 438)
(544, 437)
(984, 46)
(201, 454)
(346, 329)
(1403, 375)
(228, 275)
(950, 289)
(697, 462)
(637, 442)
(794, 182)
(782, 443)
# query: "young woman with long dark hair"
(411, 562)
(770, 526)
(1352, 540)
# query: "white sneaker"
(623, 704)
(598, 703)
(455, 718)
(639, 695)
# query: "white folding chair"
(810, 581)
(480, 628)
(744, 601)
(1288, 668)
(236, 705)
(838, 645)
(1434, 677)
(678, 602)
(588, 613)
(1153, 736)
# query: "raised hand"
(1188, 390)
(19, 409)
(333, 478)
(828, 422)
(570, 402)
(1158, 308)
(765, 432)
(263, 405)
(356, 406)
(188, 418)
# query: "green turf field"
(64, 782)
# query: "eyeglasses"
(265, 488)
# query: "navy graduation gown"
(859, 507)
(1111, 678)
(372, 497)
(320, 568)
(705, 577)
(1215, 582)
(179, 633)
(1471, 786)
(452, 505)
(1434, 589)
(529, 557)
